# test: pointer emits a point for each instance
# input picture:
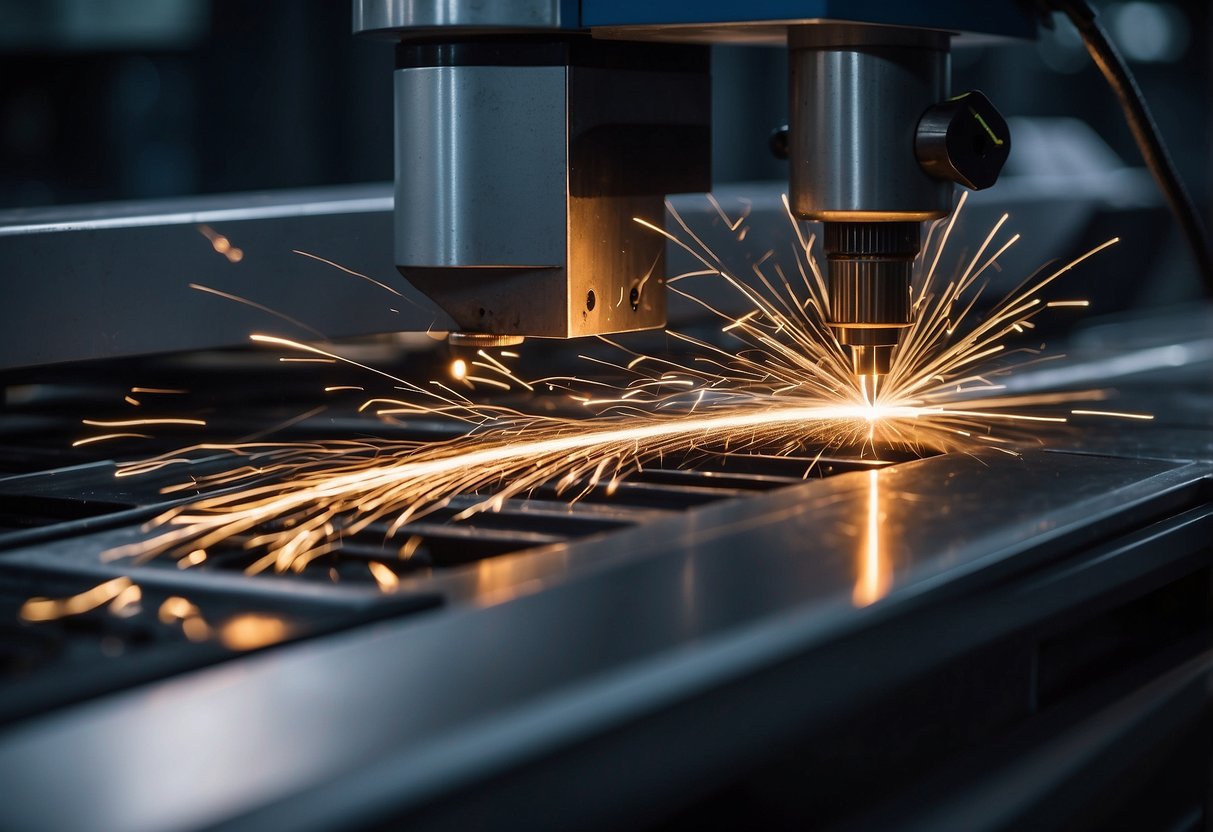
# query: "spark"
(130, 423)
(783, 386)
(106, 437)
(194, 558)
(50, 609)
(342, 268)
(1114, 414)
(178, 610)
(221, 245)
(198, 287)
(388, 581)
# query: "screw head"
(777, 142)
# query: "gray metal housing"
(856, 96)
(519, 187)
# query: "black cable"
(1145, 130)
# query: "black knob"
(963, 139)
(778, 142)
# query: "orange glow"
(177, 609)
(385, 577)
(250, 631)
(874, 577)
(221, 245)
(50, 609)
(194, 558)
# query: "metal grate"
(46, 664)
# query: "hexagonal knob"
(963, 139)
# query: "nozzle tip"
(871, 360)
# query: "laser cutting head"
(875, 146)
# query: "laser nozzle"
(870, 266)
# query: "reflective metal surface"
(540, 652)
(111, 280)
(518, 189)
(385, 17)
(480, 166)
(856, 95)
(405, 710)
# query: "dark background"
(126, 99)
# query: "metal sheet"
(673, 607)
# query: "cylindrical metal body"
(870, 266)
(857, 94)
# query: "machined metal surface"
(520, 190)
(480, 167)
(387, 17)
(111, 280)
(856, 95)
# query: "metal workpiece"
(303, 736)
(523, 167)
(745, 613)
(856, 96)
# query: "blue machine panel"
(992, 17)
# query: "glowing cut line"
(772, 418)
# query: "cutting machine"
(534, 140)
(970, 640)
